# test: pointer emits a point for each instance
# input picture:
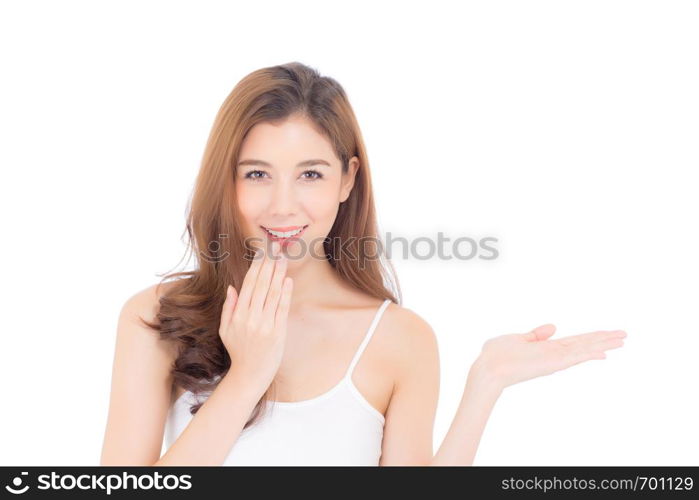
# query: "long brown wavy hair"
(190, 311)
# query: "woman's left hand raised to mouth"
(508, 359)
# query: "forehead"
(287, 142)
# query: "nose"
(284, 200)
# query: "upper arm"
(409, 425)
(141, 386)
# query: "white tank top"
(339, 427)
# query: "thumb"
(542, 332)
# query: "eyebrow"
(305, 163)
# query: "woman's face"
(288, 178)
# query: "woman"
(287, 344)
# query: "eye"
(253, 175)
(318, 175)
(250, 175)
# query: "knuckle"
(236, 321)
(251, 324)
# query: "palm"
(517, 357)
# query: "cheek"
(321, 205)
(250, 205)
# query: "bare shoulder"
(143, 306)
(145, 302)
(141, 384)
(407, 327)
(412, 347)
(408, 338)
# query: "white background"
(568, 130)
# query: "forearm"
(215, 427)
(461, 441)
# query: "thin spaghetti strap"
(367, 337)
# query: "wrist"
(485, 378)
(251, 383)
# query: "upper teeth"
(286, 234)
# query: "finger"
(283, 308)
(248, 285)
(540, 332)
(592, 337)
(582, 356)
(259, 295)
(275, 291)
(605, 345)
(228, 306)
(594, 350)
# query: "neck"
(315, 281)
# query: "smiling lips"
(284, 234)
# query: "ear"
(348, 178)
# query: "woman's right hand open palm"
(254, 323)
